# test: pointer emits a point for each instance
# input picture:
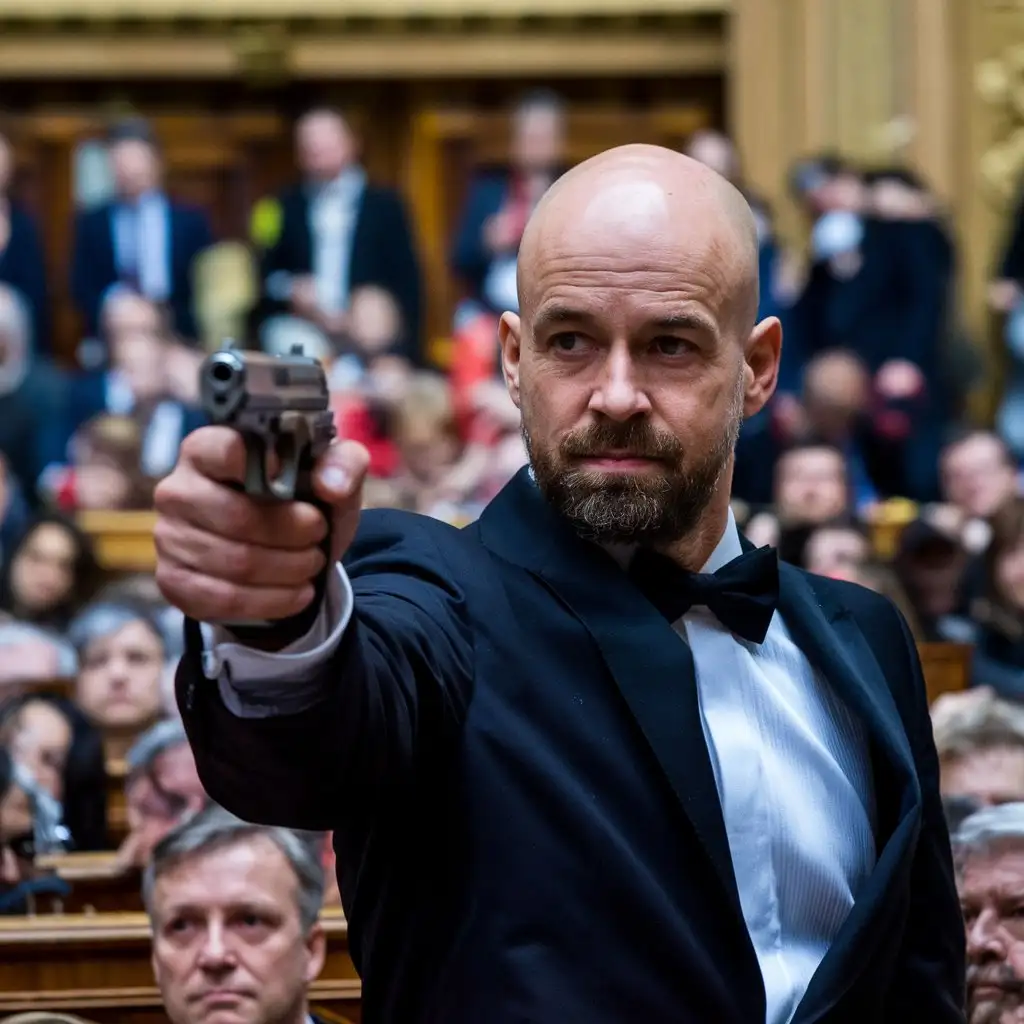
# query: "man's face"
(324, 147)
(119, 679)
(977, 477)
(992, 898)
(538, 139)
(228, 944)
(811, 486)
(41, 740)
(136, 168)
(993, 775)
(628, 366)
(837, 552)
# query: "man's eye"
(567, 342)
(669, 346)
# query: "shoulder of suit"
(861, 602)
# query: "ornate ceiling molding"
(105, 10)
(364, 48)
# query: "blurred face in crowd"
(977, 475)
(39, 737)
(1010, 575)
(538, 138)
(990, 775)
(835, 394)
(715, 150)
(228, 941)
(324, 145)
(43, 569)
(634, 357)
(136, 167)
(375, 322)
(844, 191)
(16, 835)
(138, 345)
(811, 486)
(931, 572)
(836, 551)
(119, 679)
(991, 885)
(158, 799)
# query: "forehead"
(37, 716)
(996, 871)
(249, 870)
(630, 242)
(51, 538)
(131, 634)
(814, 460)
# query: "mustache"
(635, 438)
(1000, 976)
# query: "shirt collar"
(346, 185)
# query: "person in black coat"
(591, 759)
(144, 239)
(22, 263)
(335, 231)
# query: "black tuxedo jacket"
(526, 819)
(383, 253)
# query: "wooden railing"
(99, 965)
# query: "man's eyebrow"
(686, 320)
(552, 316)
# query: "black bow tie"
(742, 595)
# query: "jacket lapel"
(651, 665)
(829, 636)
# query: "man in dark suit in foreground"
(587, 760)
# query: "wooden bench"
(99, 885)
(99, 966)
(123, 540)
(946, 667)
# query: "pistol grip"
(282, 632)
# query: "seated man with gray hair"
(161, 791)
(980, 742)
(234, 909)
(989, 852)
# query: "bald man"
(591, 760)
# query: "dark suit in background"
(526, 819)
(896, 306)
(23, 267)
(95, 264)
(382, 253)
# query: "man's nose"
(983, 942)
(619, 395)
(215, 953)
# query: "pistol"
(280, 405)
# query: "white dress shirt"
(790, 762)
(142, 244)
(332, 223)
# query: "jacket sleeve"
(394, 694)
(930, 973)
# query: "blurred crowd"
(870, 426)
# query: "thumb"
(338, 483)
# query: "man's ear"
(316, 947)
(510, 338)
(761, 372)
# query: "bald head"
(644, 198)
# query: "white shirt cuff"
(262, 684)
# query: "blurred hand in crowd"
(1003, 295)
(502, 232)
(899, 379)
(101, 486)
